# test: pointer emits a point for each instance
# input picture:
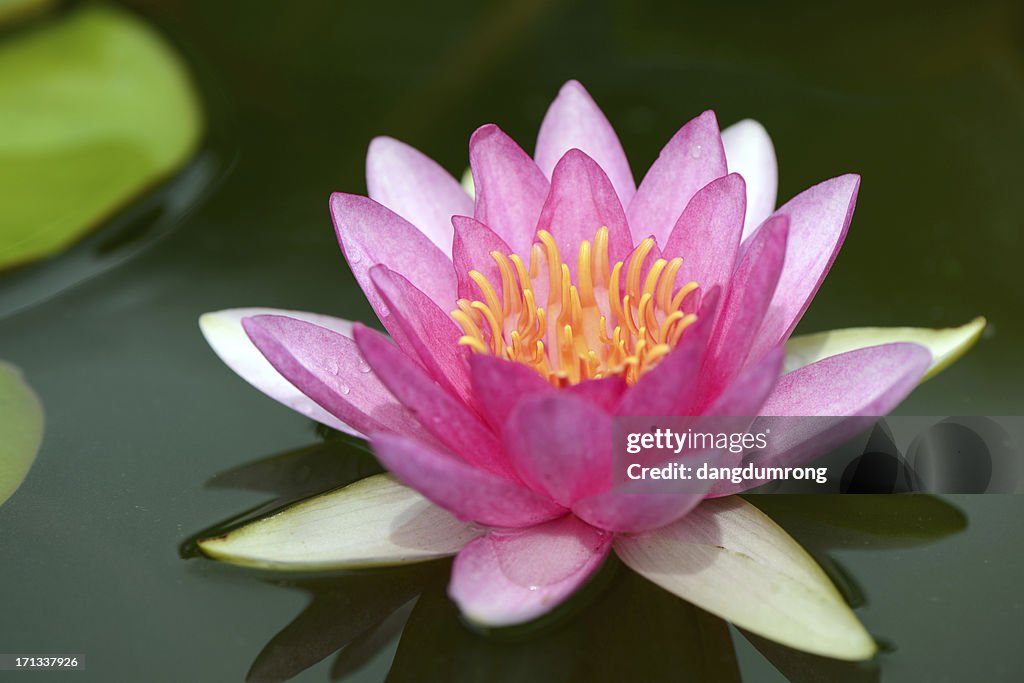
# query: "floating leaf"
(97, 108)
(21, 429)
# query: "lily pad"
(21, 429)
(98, 107)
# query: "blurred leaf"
(862, 521)
(13, 11)
(632, 631)
(97, 108)
(21, 429)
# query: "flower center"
(614, 320)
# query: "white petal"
(373, 522)
(224, 333)
(946, 345)
(730, 559)
(749, 152)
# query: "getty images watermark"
(725, 455)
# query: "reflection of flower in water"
(572, 296)
(619, 628)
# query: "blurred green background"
(924, 100)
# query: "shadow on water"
(619, 627)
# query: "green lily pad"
(21, 429)
(97, 108)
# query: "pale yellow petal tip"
(467, 183)
(965, 337)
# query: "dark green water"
(926, 103)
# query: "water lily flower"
(526, 314)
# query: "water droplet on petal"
(696, 151)
(364, 368)
(344, 390)
(354, 257)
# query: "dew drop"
(696, 151)
(364, 368)
(344, 390)
(355, 257)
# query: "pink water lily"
(527, 311)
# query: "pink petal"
(580, 201)
(416, 188)
(605, 393)
(561, 445)
(223, 331)
(510, 189)
(818, 220)
(852, 387)
(327, 367)
(468, 492)
(575, 121)
(707, 234)
(868, 381)
(624, 512)
(691, 159)
(745, 395)
(371, 234)
(471, 250)
(509, 577)
(750, 153)
(445, 417)
(431, 334)
(669, 388)
(746, 304)
(500, 384)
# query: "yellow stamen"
(605, 319)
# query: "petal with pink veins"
(468, 492)
(691, 159)
(818, 220)
(869, 381)
(431, 332)
(415, 187)
(749, 152)
(707, 234)
(371, 234)
(510, 189)
(328, 368)
(224, 333)
(561, 445)
(580, 201)
(946, 344)
(448, 419)
(510, 577)
(574, 121)
(500, 384)
(471, 250)
(821, 406)
(746, 304)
